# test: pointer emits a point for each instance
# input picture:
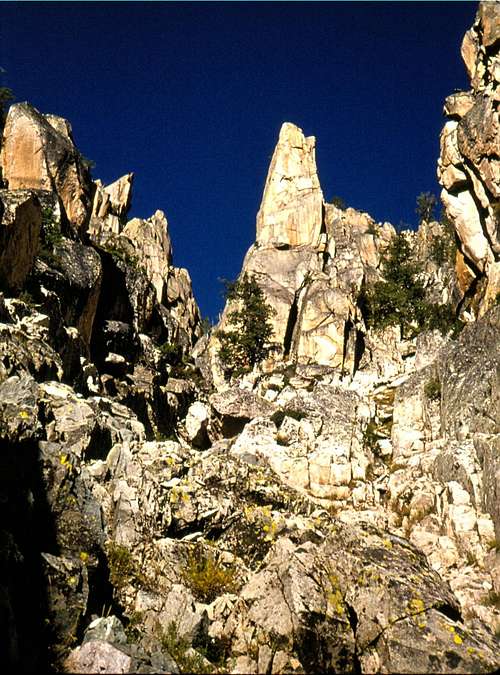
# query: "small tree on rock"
(426, 204)
(246, 341)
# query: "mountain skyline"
(191, 97)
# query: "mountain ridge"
(334, 507)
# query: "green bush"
(179, 648)
(400, 298)
(122, 567)
(171, 352)
(371, 437)
(247, 340)
(207, 576)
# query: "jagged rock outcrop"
(142, 252)
(111, 205)
(291, 209)
(334, 510)
(311, 259)
(38, 153)
(468, 167)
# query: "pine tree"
(246, 341)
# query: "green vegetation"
(399, 300)
(426, 204)
(114, 247)
(171, 351)
(247, 340)
(206, 325)
(88, 164)
(207, 576)
(180, 650)
(370, 437)
(51, 230)
(133, 627)
(51, 237)
(432, 389)
(122, 567)
(339, 203)
(444, 247)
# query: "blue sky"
(190, 96)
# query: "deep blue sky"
(191, 96)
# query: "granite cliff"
(334, 509)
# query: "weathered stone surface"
(197, 420)
(19, 408)
(458, 105)
(73, 273)
(311, 616)
(38, 153)
(148, 288)
(291, 209)
(469, 376)
(97, 656)
(468, 165)
(20, 221)
(110, 206)
(23, 352)
(240, 404)
(152, 245)
(107, 629)
(337, 509)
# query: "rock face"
(312, 260)
(20, 224)
(291, 209)
(334, 510)
(468, 167)
(111, 204)
(144, 247)
(38, 153)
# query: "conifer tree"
(246, 341)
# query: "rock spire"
(291, 210)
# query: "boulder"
(20, 224)
(38, 153)
(235, 407)
(97, 656)
(352, 615)
(197, 419)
